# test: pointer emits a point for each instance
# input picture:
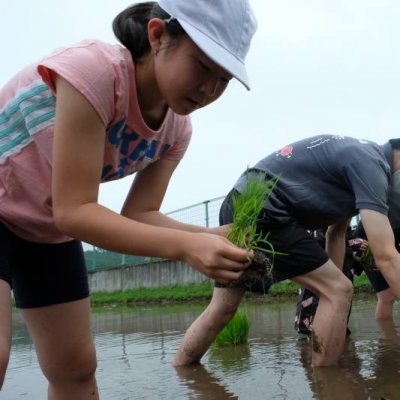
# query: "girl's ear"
(156, 33)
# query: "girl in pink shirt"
(88, 114)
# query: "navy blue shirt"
(325, 179)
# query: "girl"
(88, 114)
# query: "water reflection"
(386, 363)
(221, 358)
(202, 384)
(370, 369)
(339, 382)
(136, 346)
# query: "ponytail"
(130, 27)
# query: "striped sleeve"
(31, 109)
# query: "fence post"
(94, 257)
(206, 209)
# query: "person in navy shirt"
(324, 181)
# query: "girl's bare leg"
(5, 328)
(65, 348)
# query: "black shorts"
(300, 252)
(378, 282)
(42, 274)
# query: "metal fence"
(204, 214)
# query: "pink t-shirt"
(105, 75)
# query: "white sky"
(316, 66)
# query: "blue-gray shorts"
(300, 253)
(42, 274)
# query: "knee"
(341, 292)
(346, 287)
(222, 313)
(386, 297)
(73, 369)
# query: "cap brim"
(218, 54)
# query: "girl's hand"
(220, 230)
(216, 257)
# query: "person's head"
(196, 47)
(395, 145)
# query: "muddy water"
(135, 348)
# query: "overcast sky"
(316, 66)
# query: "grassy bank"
(200, 293)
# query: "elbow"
(64, 222)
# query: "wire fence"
(204, 214)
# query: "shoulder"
(91, 52)
(362, 147)
(102, 72)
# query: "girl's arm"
(147, 193)
(77, 164)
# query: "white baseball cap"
(222, 29)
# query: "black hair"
(395, 143)
(130, 27)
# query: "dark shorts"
(42, 274)
(378, 282)
(300, 252)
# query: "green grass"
(201, 293)
(362, 284)
(170, 294)
(285, 288)
(178, 294)
(236, 332)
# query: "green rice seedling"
(247, 207)
(236, 332)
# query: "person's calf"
(200, 335)
(384, 306)
(329, 327)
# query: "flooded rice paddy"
(135, 348)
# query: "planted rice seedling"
(236, 332)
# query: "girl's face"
(187, 79)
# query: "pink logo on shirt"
(286, 151)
